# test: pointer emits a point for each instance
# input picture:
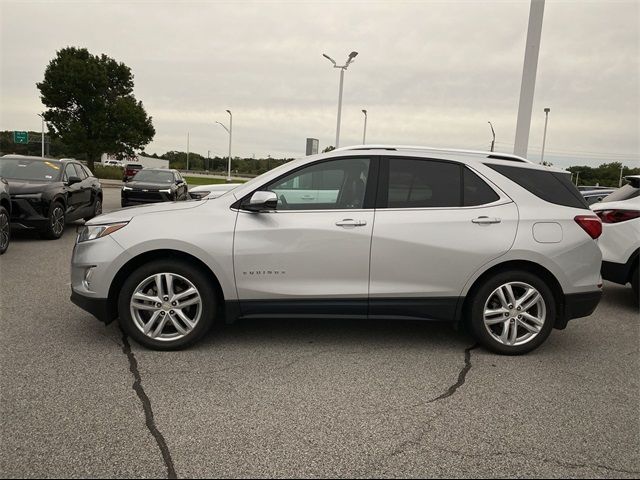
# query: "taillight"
(590, 224)
(617, 216)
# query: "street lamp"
(493, 142)
(230, 132)
(342, 68)
(364, 133)
(42, 117)
(544, 136)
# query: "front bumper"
(578, 305)
(141, 198)
(28, 214)
(98, 307)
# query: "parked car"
(620, 241)
(154, 185)
(5, 215)
(586, 188)
(211, 191)
(487, 240)
(130, 170)
(46, 193)
(595, 196)
(113, 163)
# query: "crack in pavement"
(539, 458)
(462, 376)
(146, 406)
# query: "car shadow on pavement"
(623, 297)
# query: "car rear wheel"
(97, 209)
(5, 230)
(513, 313)
(167, 305)
(55, 222)
(634, 284)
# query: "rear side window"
(79, 171)
(553, 187)
(476, 191)
(416, 183)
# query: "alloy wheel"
(166, 306)
(514, 313)
(4, 230)
(57, 221)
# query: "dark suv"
(46, 193)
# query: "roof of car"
(42, 159)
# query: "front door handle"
(349, 222)
(486, 220)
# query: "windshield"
(153, 176)
(624, 193)
(28, 169)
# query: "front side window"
(80, 173)
(69, 171)
(335, 184)
(420, 183)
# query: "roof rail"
(492, 155)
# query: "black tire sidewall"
(195, 276)
(48, 232)
(476, 311)
(3, 211)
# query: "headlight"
(168, 190)
(126, 188)
(91, 232)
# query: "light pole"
(230, 132)
(364, 133)
(342, 68)
(620, 181)
(42, 117)
(187, 151)
(493, 142)
(577, 177)
(544, 135)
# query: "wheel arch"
(159, 254)
(547, 276)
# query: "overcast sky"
(429, 73)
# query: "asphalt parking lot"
(305, 398)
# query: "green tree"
(91, 107)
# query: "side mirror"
(261, 201)
(73, 180)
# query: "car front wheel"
(55, 222)
(5, 230)
(513, 313)
(167, 305)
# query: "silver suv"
(490, 241)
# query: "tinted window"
(80, 173)
(623, 193)
(87, 171)
(553, 187)
(26, 169)
(476, 190)
(69, 171)
(415, 183)
(337, 184)
(154, 176)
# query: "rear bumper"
(578, 305)
(618, 272)
(98, 307)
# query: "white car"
(487, 240)
(620, 240)
(211, 191)
(113, 163)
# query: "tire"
(5, 230)
(540, 317)
(97, 208)
(634, 284)
(164, 333)
(55, 222)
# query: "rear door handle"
(349, 222)
(486, 220)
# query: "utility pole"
(42, 117)
(577, 177)
(493, 142)
(230, 132)
(525, 105)
(342, 68)
(364, 133)
(620, 181)
(544, 136)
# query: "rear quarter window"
(553, 187)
